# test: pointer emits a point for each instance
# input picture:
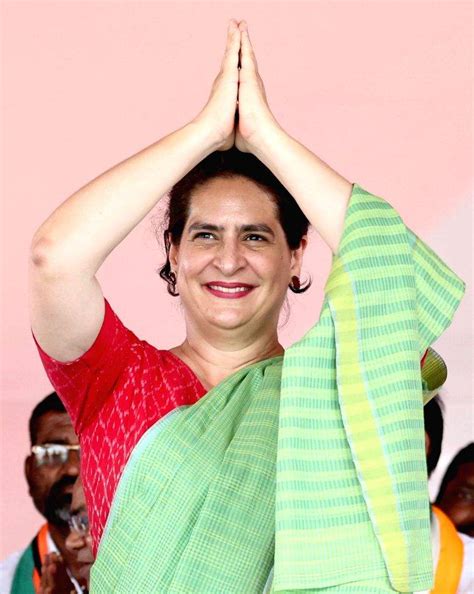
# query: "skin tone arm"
(67, 306)
(321, 192)
(66, 300)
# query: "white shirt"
(466, 584)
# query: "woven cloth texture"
(314, 462)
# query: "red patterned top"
(116, 391)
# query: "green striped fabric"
(388, 297)
(312, 463)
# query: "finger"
(247, 58)
(231, 56)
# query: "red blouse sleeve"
(85, 383)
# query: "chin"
(227, 322)
(84, 572)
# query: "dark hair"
(228, 164)
(464, 456)
(434, 425)
(51, 403)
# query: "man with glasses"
(51, 470)
(79, 543)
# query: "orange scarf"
(451, 553)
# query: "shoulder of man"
(18, 568)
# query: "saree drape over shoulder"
(309, 466)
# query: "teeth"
(228, 289)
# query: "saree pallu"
(308, 467)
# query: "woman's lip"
(232, 285)
(229, 290)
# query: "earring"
(295, 284)
(172, 286)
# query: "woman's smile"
(225, 290)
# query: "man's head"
(79, 541)
(456, 493)
(53, 465)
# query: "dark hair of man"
(228, 164)
(464, 456)
(434, 425)
(51, 403)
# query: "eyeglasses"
(53, 454)
(79, 523)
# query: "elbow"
(45, 257)
(39, 251)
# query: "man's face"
(458, 499)
(50, 485)
(79, 541)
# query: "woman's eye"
(254, 238)
(204, 235)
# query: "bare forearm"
(92, 222)
(321, 192)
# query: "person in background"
(456, 493)
(79, 543)
(453, 553)
(51, 470)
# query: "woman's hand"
(255, 119)
(218, 115)
(321, 192)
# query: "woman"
(311, 462)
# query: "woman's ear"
(297, 257)
(173, 255)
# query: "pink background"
(382, 91)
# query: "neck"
(215, 356)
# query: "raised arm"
(67, 306)
(321, 192)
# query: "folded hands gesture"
(237, 111)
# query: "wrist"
(206, 135)
(269, 140)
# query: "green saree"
(308, 467)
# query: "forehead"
(465, 474)
(55, 427)
(235, 199)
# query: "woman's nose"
(230, 257)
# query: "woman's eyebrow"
(259, 227)
(253, 228)
(205, 226)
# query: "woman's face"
(233, 264)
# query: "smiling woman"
(225, 464)
(232, 265)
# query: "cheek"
(276, 267)
(193, 262)
(42, 479)
(460, 513)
